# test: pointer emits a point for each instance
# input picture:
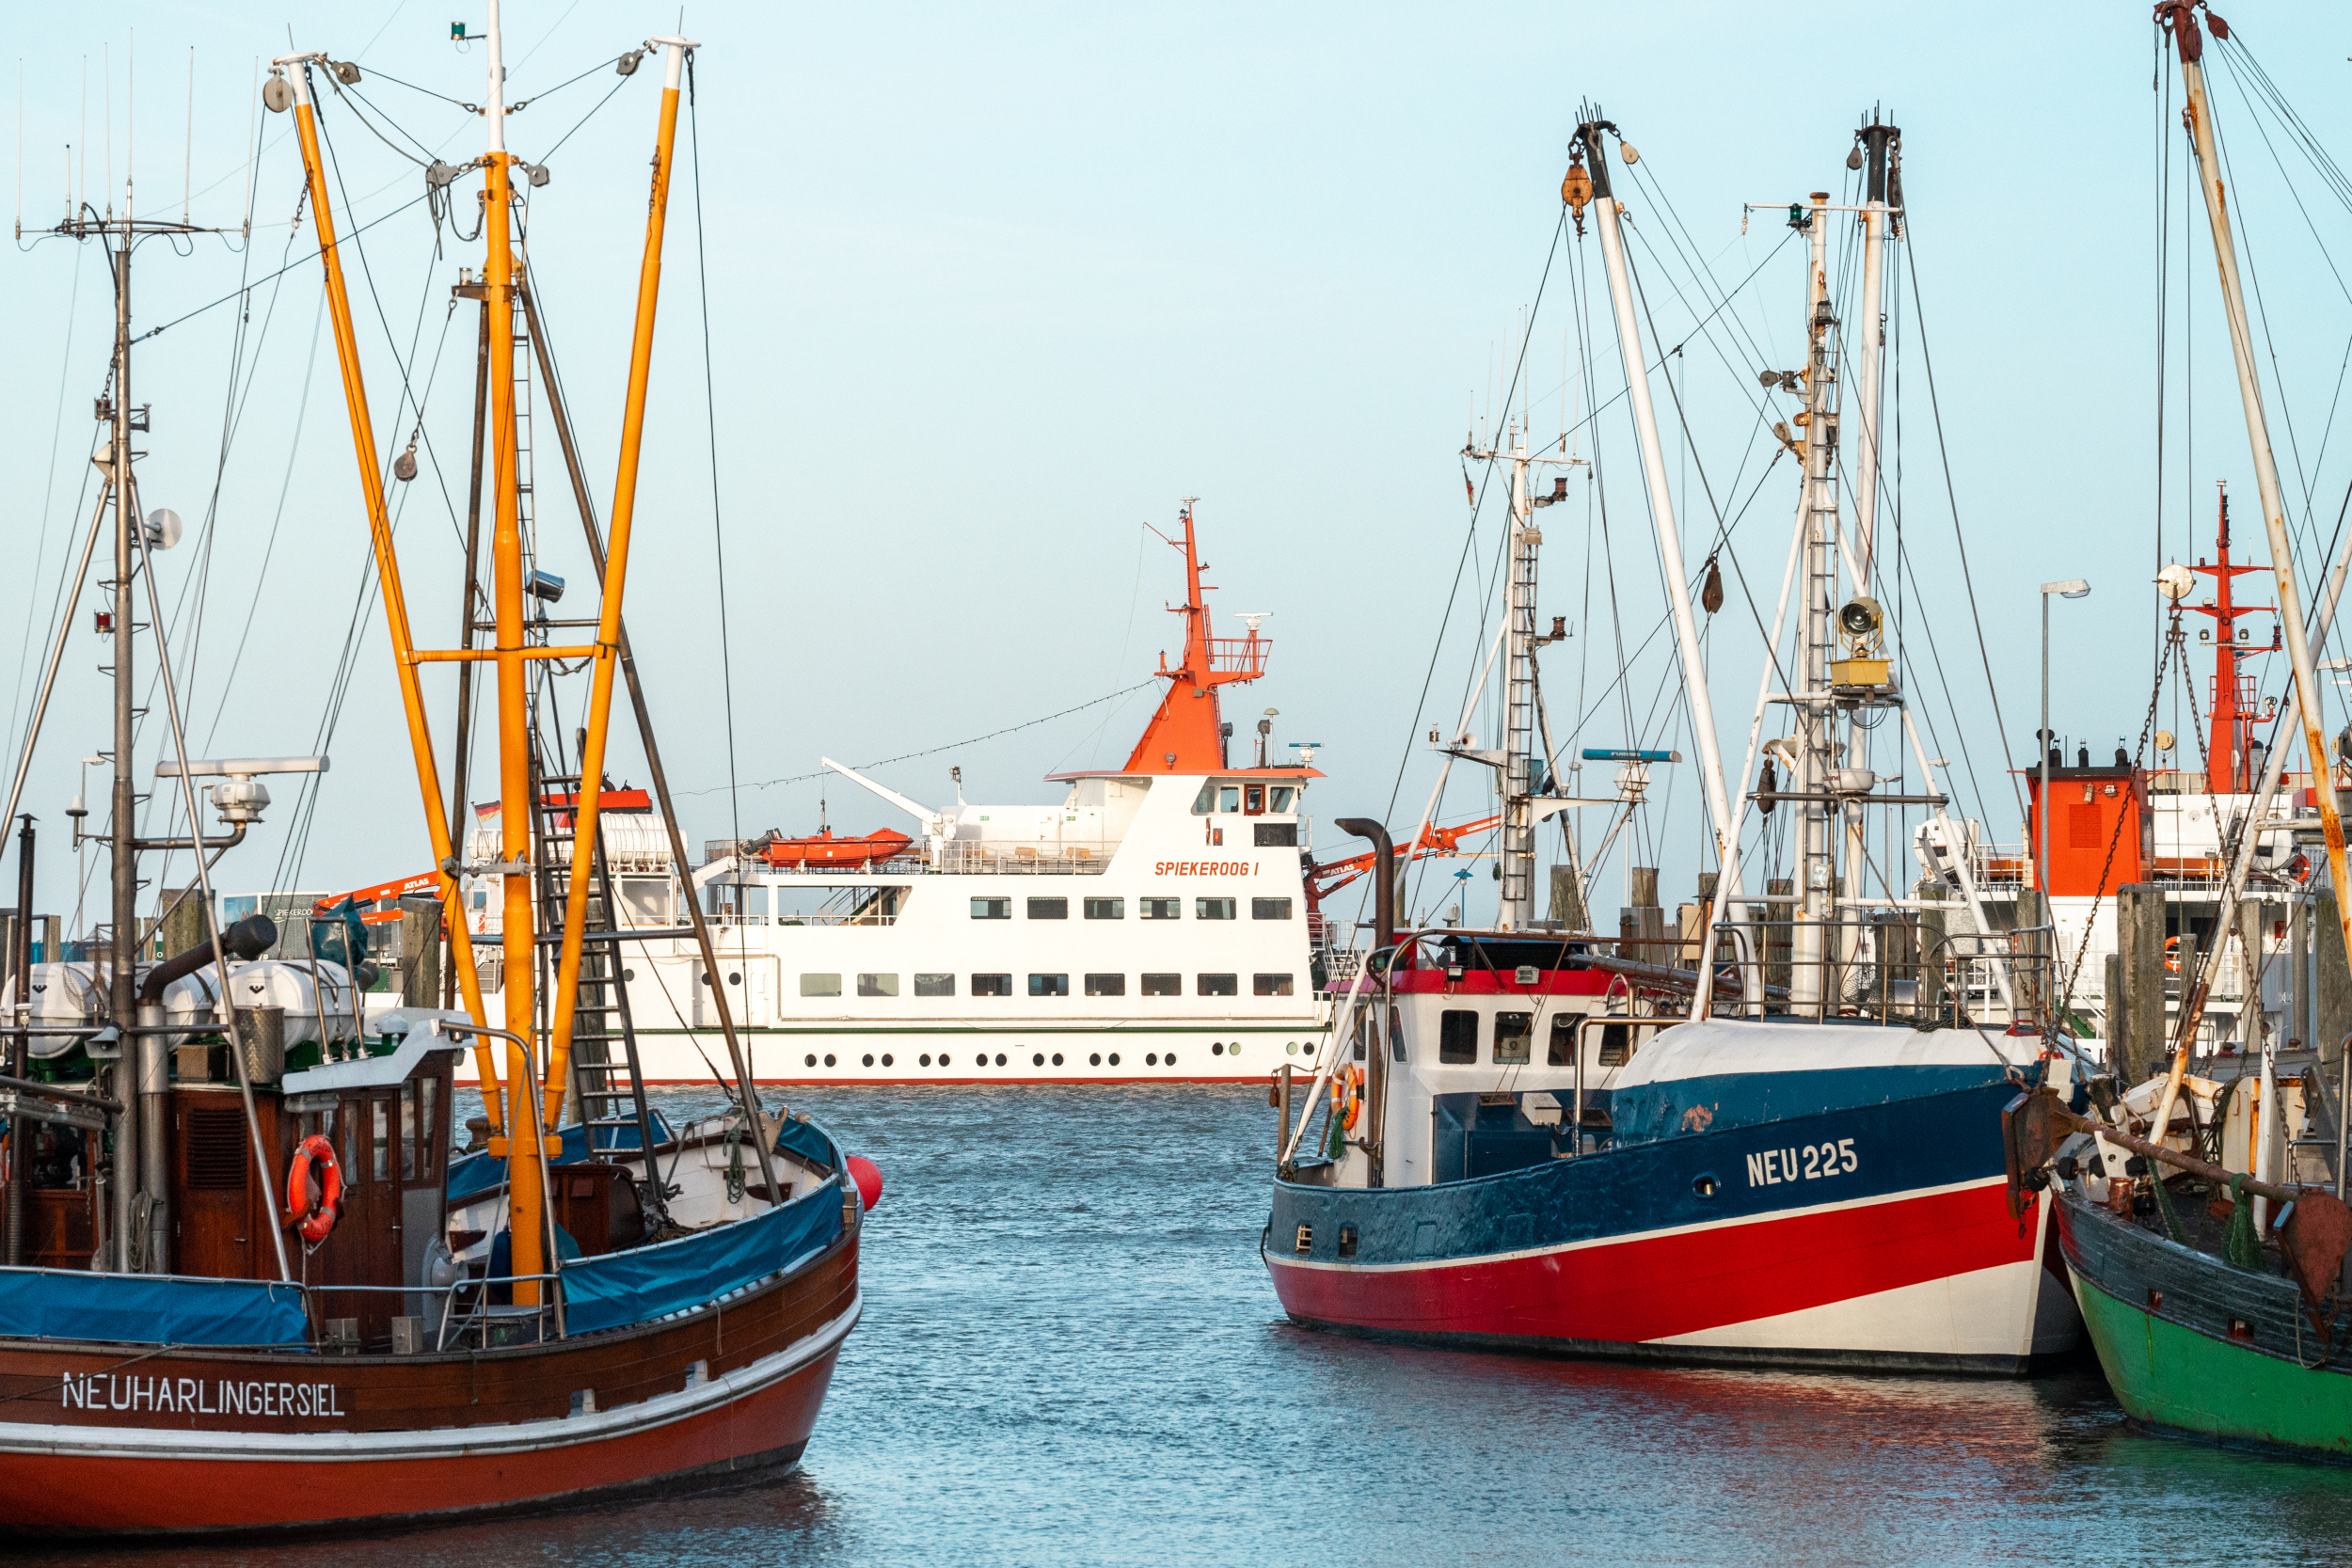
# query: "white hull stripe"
(1800, 1211)
(154, 1444)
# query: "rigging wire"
(710, 404)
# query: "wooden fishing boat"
(572, 1308)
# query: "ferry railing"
(1067, 858)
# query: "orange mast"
(1187, 735)
(2228, 770)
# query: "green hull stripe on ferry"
(2173, 1376)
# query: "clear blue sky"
(989, 289)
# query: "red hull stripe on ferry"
(61, 1492)
(1659, 1287)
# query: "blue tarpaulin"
(672, 1277)
(149, 1309)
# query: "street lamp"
(2074, 588)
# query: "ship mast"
(2179, 18)
(2229, 769)
(1701, 710)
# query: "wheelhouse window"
(1396, 1035)
(1217, 985)
(1229, 798)
(934, 985)
(1106, 909)
(878, 984)
(1253, 799)
(1561, 1052)
(409, 1130)
(1049, 909)
(1279, 798)
(1160, 909)
(1269, 984)
(1163, 985)
(1512, 1032)
(1107, 985)
(1269, 909)
(1049, 985)
(992, 908)
(1457, 1037)
(1213, 909)
(821, 984)
(991, 985)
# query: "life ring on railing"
(1347, 1095)
(316, 1211)
(2172, 955)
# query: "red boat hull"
(69, 1494)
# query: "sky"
(959, 304)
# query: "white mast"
(1817, 852)
(1662, 504)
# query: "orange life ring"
(317, 1210)
(1347, 1096)
(2172, 955)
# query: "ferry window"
(1396, 1035)
(934, 985)
(878, 984)
(1253, 799)
(1457, 1036)
(1160, 909)
(1280, 798)
(1269, 984)
(1511, 1035)
(821, 984)
(1269, 909)
(1274, 836)
(1107, 985)
(644, 900)
(1213, 909)
(1163, 985)
(1217, 985)
(431, 1136)
(1205, 801)
(1229, 798)
(380, 1145)
(992, 908)
(481, 899)
(1049, 985)
(991, 985)
(1106, 909)
(409, 1130)
(1049, 909)
(1562, 1050)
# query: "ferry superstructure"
(1153, 924)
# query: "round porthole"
(886, 1061)
(1234, 1050)
(1057, 1058)
(829, 1058)
(926, 1058)
(870, 1058)
(944, 1058)
(1704, 1185)
(1291, 1048)
(1038, 1060)
(628, 976)
(1171, 1059)
(1114, 1059)
(1095, 1061)
(1001, 1058)
(812, 1059)
(1151, 1059)
(735, 980)
(1216, 1049)
(703, 979)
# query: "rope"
(710, 404)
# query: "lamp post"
(2073, 588)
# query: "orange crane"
(1326, 878)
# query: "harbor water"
(1069, 1354)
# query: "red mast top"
(1186, 735)
(2228, 770)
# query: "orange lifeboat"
(824, 850)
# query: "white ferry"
(1153, 924)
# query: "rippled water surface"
(1071, 1354)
